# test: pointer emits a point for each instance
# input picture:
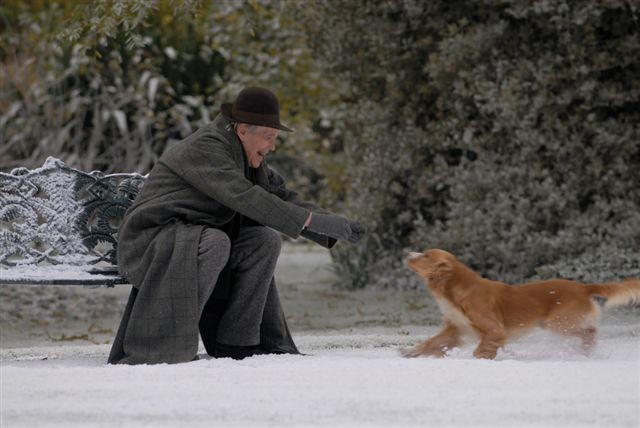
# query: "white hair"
(250, 128)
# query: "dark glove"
(337, 227)
(358, 230)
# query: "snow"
(51, 272)
(347, 378)
(351, 375)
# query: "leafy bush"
(109, 84)
(505, 132)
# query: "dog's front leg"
(492, 337)
(437, 346)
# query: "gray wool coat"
(199, 182)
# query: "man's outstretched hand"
(337, 227)
(358, 230)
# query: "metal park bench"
(59, 225)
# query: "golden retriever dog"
(496, 313)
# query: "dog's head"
(432, 264)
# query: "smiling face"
(257, 141)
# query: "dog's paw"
(486, 354)
(423, 351)
(410, 352)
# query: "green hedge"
(109, 84)
(506, 132)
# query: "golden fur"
(495, 312)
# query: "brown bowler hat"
(255, 106)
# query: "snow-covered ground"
(352, 375)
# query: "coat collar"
(222, 125)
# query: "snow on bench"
(59, 225)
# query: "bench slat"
(107, 282)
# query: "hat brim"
(226, 109)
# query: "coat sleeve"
(278, 187)
(208, 165)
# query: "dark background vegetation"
(504, 131)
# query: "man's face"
(257, 142)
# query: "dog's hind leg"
(588, 331)
(580, 320)
(588, 336)
(438, 345)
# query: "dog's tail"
(617, 293)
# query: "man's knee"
(268, 239)
(216, 241)
(271, 239)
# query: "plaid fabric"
(160, 324)
(199, 182)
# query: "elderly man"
(199, 244)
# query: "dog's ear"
(444, 265)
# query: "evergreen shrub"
(506, 132)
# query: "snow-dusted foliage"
(36, 207)
(56, 214)
(506, 132)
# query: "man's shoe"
(237, 352)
